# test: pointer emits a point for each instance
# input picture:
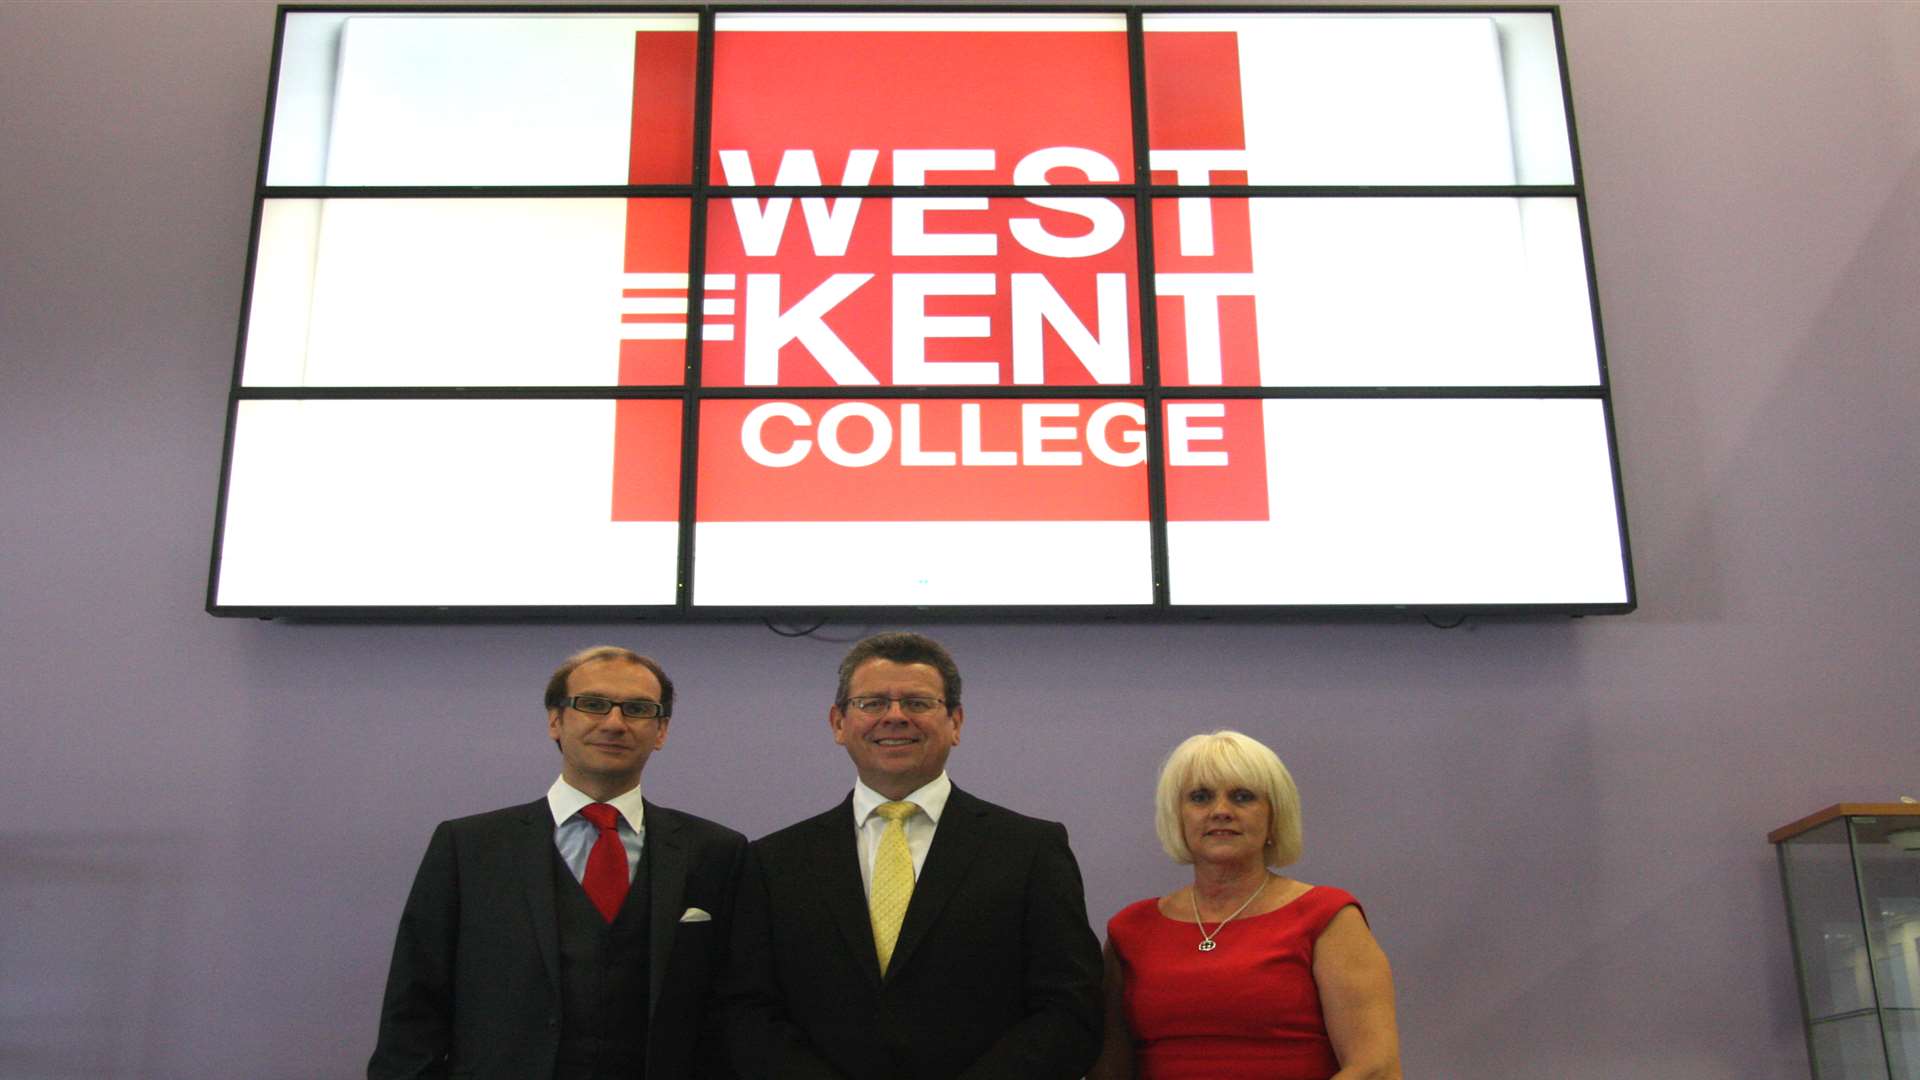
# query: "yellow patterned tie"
(892, 879)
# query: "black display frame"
(1140, 192)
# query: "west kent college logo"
(948, 291)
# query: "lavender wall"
(1559, 828)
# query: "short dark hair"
(557, 684)
(901, 647)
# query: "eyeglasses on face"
(636, 709)
(876, 705)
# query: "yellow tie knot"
(896, 811)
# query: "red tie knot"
(604, 816)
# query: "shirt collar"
(565, 800)
(930, 797)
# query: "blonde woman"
(1246, 973)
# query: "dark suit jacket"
(474, 986)
(996, 973)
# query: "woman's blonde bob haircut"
(1222, 760)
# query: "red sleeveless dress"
(1249, 1010)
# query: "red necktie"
(606, 878)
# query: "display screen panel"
(921, 99)
(371, 98)
(951, 501)
(1373, 99)
(445, 503)
(1327, 292)
(1423, 502)
(468, 292)
(781, 312)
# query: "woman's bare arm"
(1356, 997)
(1116, 1051)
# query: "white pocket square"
(694, 914)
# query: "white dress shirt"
(574, 835)
(867, 825)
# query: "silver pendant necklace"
(1206, 939)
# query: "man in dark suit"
(914, 932)
(576, 937)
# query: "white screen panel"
(1422, 292)
(900, 563)
(400, 503)
(1418, 502)
(425, 99)
(1374, 101)
(1536, 100)
(1385, 99)
(439, 292)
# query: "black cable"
(808, 632)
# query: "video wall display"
(735, 312)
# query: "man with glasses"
(577, 936)
(913, 932)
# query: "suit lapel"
(667, 867)
(835, 853)
(534, 860)
(956, 843)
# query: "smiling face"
(602, 755)
(895, 752)
(1225, 823)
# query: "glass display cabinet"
(1851, 873)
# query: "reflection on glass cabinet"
(1851, 874)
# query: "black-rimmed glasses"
(875, 705)
(635, 709)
